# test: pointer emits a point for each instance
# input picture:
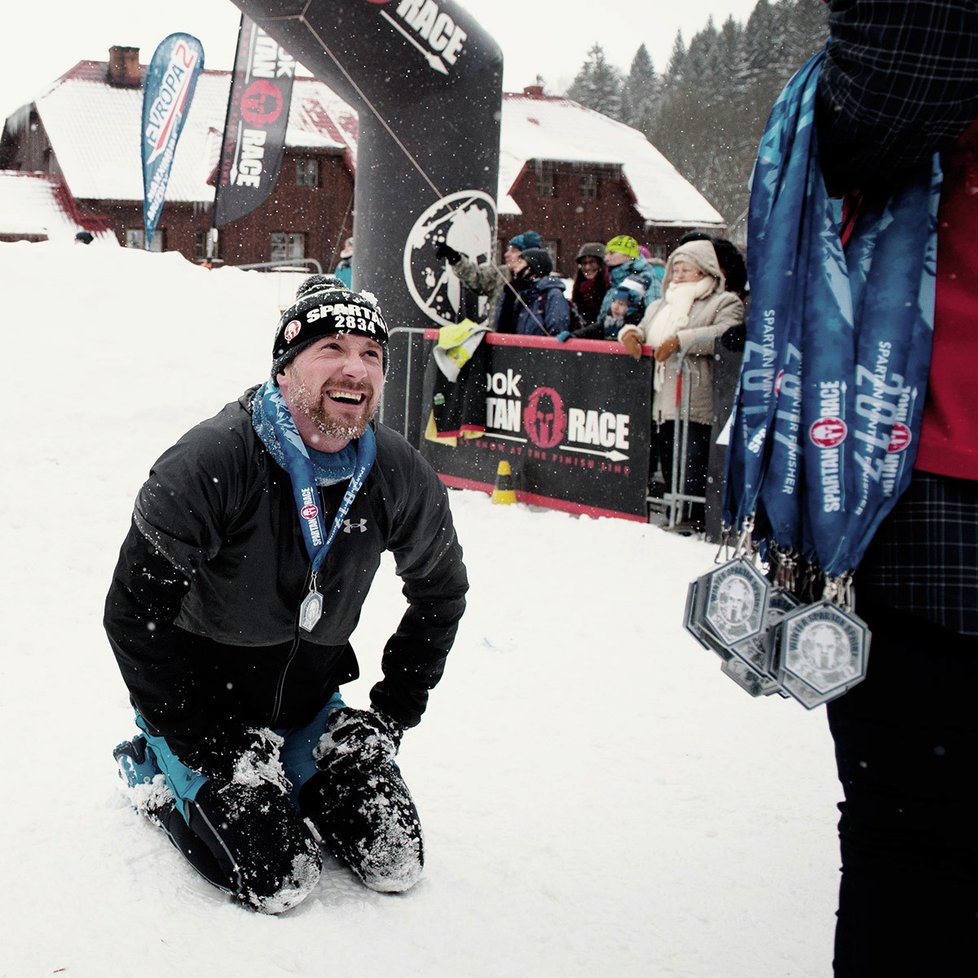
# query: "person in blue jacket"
(629, 270)
(534, 304)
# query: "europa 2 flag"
(254, 132)
(170, 82)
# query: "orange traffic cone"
(503, 491)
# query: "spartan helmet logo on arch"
(465, 221)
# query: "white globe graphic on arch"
(465, 221)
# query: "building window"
(307, 173)
(287, 245)
(206, 244)
(136, 238)
(589, 186)
(546, 185)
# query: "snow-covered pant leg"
(368, 821)
(907, 751)
(250, 841)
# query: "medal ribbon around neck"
(273, 410)
(831, 393)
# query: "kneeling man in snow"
(252, 547)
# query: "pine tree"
(707, 110)
(598, 84)
(640, 92)
(724, 173)
(669, 129)
(806, 29)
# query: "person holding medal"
(852, 468)
(251, 551)
(899, 84)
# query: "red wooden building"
(568, 172)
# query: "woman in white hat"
(685, 323)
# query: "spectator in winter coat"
(734, 270)
(488, 279)
(231, 628)
(733, 266)
(731, 261)
(659, 271)
(684, 324)
(610, 326)
(534, 304)
(627, 268)
(591, 281)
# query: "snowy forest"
(706, 110)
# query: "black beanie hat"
(539, 261)
(323, 306)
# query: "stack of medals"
(769, 641)
(826, 415)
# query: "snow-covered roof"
(108, 167)
(534, 127)
(35, 204)
(538, 127)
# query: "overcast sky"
(550, 37)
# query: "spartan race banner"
(169, 88)
(257, 118)
(426, 81)
(573, 426)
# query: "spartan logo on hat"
(292, 330)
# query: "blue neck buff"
(275, 426)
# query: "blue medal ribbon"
(777, 184)
(273, 421)
(832, 385)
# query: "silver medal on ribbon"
(311, 609)
(820, 651)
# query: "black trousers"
(906, 743)
(252, 842)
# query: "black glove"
(357, 739)
(445, 252)
(243, 754)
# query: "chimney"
(123, 67)
(533, 91)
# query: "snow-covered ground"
(598, 799)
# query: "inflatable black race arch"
(426, 81)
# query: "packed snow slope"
(598, 799)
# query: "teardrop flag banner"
(167, 93)
(257, 118)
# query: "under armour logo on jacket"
(349, 526)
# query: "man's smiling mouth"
(347, 397)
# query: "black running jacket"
(202, 613)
